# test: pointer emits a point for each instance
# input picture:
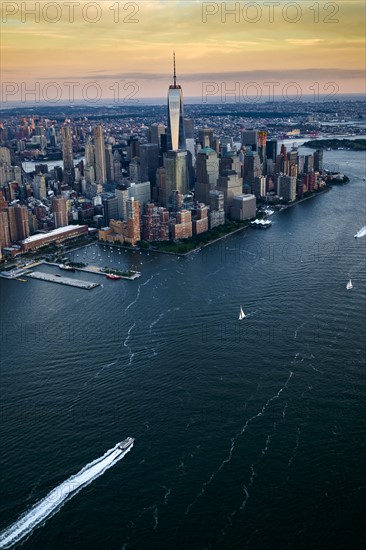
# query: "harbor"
(78, 283)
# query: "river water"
(247, 434)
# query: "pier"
(95, 270)
(62, 280)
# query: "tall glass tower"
(176, 134)
(67, 156)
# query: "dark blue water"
(248, 435)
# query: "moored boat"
(66, 267)
(112, 276)
(261, 224)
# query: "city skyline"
(287, 43)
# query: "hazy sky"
(129, 48)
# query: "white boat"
(124, 445)
(262, 224)
(349, 285)
(241, 314)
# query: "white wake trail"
(233, 441)
(49, 505)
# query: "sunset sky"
(136, 45)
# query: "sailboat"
(349, 285)
(241, 314)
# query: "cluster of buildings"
(166, 181)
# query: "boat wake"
(50, 505)
(233, 441)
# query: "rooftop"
(53, 233)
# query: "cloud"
(304, 41)
(247, 76)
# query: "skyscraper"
(271, 149)
(156, 130)
(69, 174)
(59, 206)
(149, 162)
(122, 198)
(110, 206)
(175, 164)
(4, 230)
(207, 173)
(249, 138)
(132, 221)
(18, 222)
(286, 188)
(100, 163)
(89, 154)
(176, 134)
(39, 186)
(205, 137)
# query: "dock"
(95, 270)
(62, 280)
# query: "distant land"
(349, 144)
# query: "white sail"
(241, 314)
(349, 285)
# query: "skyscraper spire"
(176, 136)
(175, 76)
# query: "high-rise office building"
(249, 138)
(259, 187)
(117, 167)
(207, 173)
(39, 186)
(252, 166)
(135, 169)
(89, 155)
(99, 151)
(292, 163)
(109, 163)
(141, 192)
(262, 149)
(122, 198)
(286, 188)
(207, 166)
(67, 156)
(318, 160)
(110, 205)
(176, 134)
(308, 164)
(156, 130)
(190, 146)
(231, 161)
(176, 176)
(149, 162)
(271, 149)
(189, 128)
(60, 218)
(205, 137)
(5, 155)
(229, 184)
(243, 207)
